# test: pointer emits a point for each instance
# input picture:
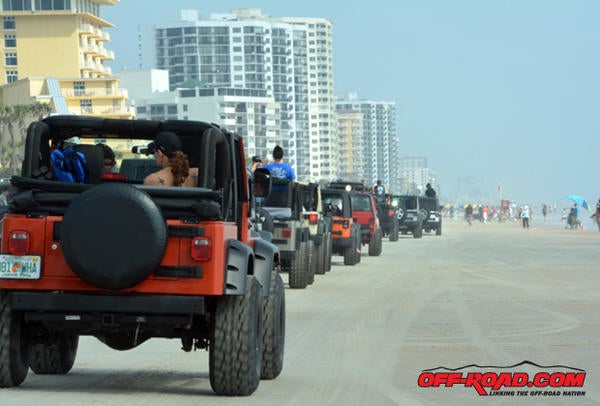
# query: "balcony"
(94, 93)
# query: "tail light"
(114, 176)
(201, 248)
(346, 224)
(313, 218)
(371, 222)
(390, 213)
(18, 242)
(286, 232)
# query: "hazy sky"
(506, 91)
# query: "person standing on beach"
(525, 216)
(544, 211)
(469, 213)
(596, 215)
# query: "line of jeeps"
(105, 256)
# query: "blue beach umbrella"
(580, 201)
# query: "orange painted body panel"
(56, 274)
(337, 228)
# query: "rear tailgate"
(178, 272)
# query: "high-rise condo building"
(351, 157)
(53, 51)
(289, 58)
(380, 139)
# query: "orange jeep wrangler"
(364, 212)
(124, 262)
(345, 232)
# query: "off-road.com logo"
(486, 383)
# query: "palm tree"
(14, 121)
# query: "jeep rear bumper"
(74, 303)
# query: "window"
(16, 5)
(10, 59)
(86, 106)
(9, 23)
(10, 41)
(11, 76)
(79, 88)
(43, 4)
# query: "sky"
(495, 92)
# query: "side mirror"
(262, 182)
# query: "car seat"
(94, 158)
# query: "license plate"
(20, 266)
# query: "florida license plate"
(20, 266)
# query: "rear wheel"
(394, 232)
(235, 353)
(298, 278)
(375, 244)
(56, 356)
(350, 253)
(418, 231)
(321, 253)
(14, 348)
(273, 307)
(312, 261)
(328, 253)
(438, 231)
(358, 252)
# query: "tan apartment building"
(351, 155)
(53, 51)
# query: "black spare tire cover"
(113, 236)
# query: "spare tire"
(113, 236)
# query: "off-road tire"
(350, 254)
(235, 350)
(312, 261)
(298, 272)
(418, 231)
(321, 253)
(394, 232)
(14, 348)
(358, 252)
(375, 244)
(55, 357)
(329, 253)
(273, 310)
(438, 230)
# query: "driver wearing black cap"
(174, 164)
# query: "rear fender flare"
(266, 255)
(240, 263)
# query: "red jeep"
(364, 212)
(123, 262)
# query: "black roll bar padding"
(37, 149)
(215, 163)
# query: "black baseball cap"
(256, 158)
(167, 142)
